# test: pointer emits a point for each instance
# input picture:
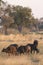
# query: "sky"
(35, 5)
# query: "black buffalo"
(11, 49)
(34, 47)
(21, 49)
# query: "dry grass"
(34, 59)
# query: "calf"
(28, 49)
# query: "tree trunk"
(5, 29)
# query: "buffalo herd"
(14, 49)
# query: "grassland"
(30, 59)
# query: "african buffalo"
(34, 46)
(21, 49)
(11, 49)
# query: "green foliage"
(22, 16)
